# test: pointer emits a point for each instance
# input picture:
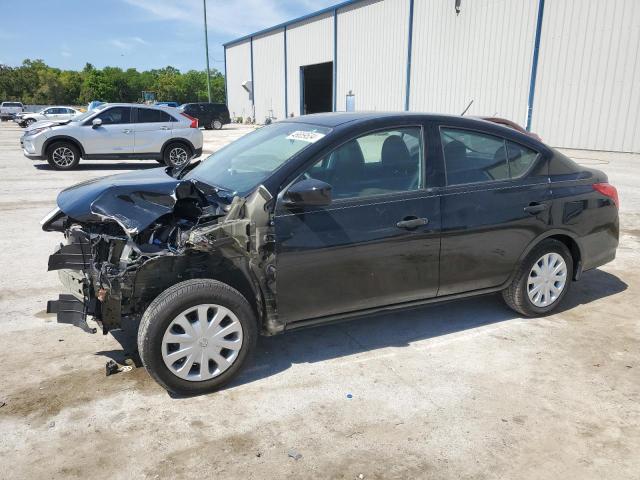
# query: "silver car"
(56, 113)
(115, 131)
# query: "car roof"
(138, 105)
(334, 119)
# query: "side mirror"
(308, 193)
(96, 122)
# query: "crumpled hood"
(134, 200)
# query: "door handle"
(535, 208)
(126, 130)
(411, 223)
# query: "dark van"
(209, 115)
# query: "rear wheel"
(216, 124)
(63, 156)
(196, 336)
(542, 280)
(177, 155)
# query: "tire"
(29, 121)
(529, 294)
(179, 304)
(63, 156)
(216, 124)
(172, 154)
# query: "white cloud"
(233, 18)
(128, 43)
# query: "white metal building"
(568, 69)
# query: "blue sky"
(143, 34)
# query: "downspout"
(534, 64)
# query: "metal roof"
(290, 22)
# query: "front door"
(377, 243)
(113, 137)
(496, 203)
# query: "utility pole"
(206, 48)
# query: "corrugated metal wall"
(268, 74)
(238, 57)
(308, 42)
(372, 54)
(588, 84)
(483, 54)
(587, 91)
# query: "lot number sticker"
(302, 136)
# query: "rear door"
(496, 202)
(113, 137)
(376, 244)
(152, 128)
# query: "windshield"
(244, 164)
(85, 115)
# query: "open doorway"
(316, 88)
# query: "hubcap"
(547, 279)
(217, 125)
(63, 156)
(178, 156)
(202, 342)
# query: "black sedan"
(323, 218)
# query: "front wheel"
(196, 336)
(63, 156)
(542, 280)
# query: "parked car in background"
(49, 113)
(167, 104)
(94, 105)
(8, 110)
(322, 218)
(115, 131)
(209, 115)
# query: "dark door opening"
(316, 88)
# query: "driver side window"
(378, 163)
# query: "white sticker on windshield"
(301, 135)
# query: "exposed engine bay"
(125, 244)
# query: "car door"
(376, 244)
(152, 128)
(496, 202)
(50, 114)
(113, 137)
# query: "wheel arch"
(569, 239)
(62, 138)
(171, 141)
(160, 273)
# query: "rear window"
(12, 104)
(148, 115)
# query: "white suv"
(115, 131)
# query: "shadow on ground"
(393, 329)
(106, 166)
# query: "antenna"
(465, 110)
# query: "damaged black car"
(324, 218)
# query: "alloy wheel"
(63, 156)
(178, 156)
(202, 342)
(547, 279)
(216, 124)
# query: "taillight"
(608, 191)
(194, 121)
